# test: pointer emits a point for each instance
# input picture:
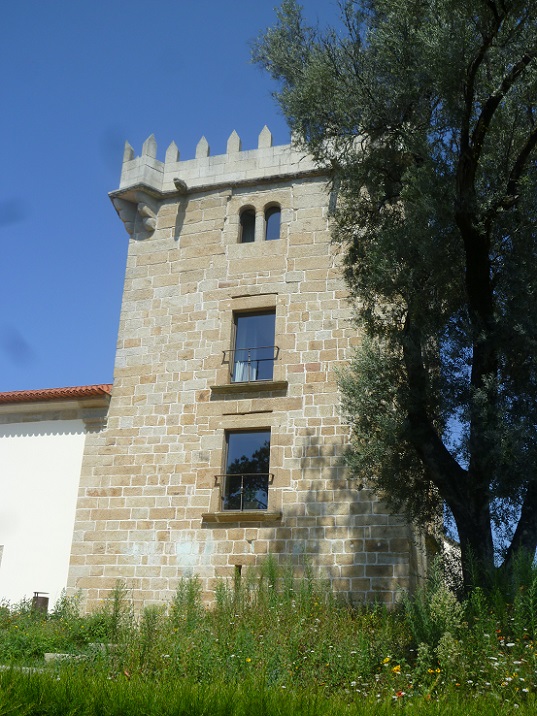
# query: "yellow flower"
(248, 659)
(397, 669)
(387, 660)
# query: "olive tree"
(424, 113)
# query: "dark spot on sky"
(15, 346)
(11, 212)
(111, 144)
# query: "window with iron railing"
(246, 491)
(245, 484)
(253, 355)
(247, 365)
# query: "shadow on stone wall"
(345, 534)
(329, 528)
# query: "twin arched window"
(272, 220)
(247, 233)
(272, 223)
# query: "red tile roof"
(78, 392)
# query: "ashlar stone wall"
(149, 508)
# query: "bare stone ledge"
(253, 387)
(241, 516)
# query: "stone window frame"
(233, 360)
(270, 210)
(250, 211)
(260, 221)
(261, 303)
(224, 477)
(248, 422)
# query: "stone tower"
(224, 438)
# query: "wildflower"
(399, 694)
(396, 669)
(387, 660)
(248, 660)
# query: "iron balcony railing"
(247, 365)
(244, 491)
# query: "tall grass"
(270, 642)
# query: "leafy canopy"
(424, 113)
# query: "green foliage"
(424, 114)
(86, 694)
(280, 643)
(277, 642)
(433, 611)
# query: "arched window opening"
(247, 233)
(272, 223)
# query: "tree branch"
(511, 196)
(471, 77)
(444, 470)
(490, 106)
(525, 537)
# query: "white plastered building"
(42, 439)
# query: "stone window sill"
(255, 386)
(242, 516)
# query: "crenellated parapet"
(146, 181)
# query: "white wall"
(39, 474)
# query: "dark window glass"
(247, 470)
(247, 226)
(272, 223)
(253, 356)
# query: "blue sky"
(79, 77)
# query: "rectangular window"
(247, 470)
(254, 352)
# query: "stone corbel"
(127, 213)
(94, 423)
(137, 205)
(147, 212)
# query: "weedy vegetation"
(275, 644)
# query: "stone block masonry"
(159, 497)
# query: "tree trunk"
(476, 543)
